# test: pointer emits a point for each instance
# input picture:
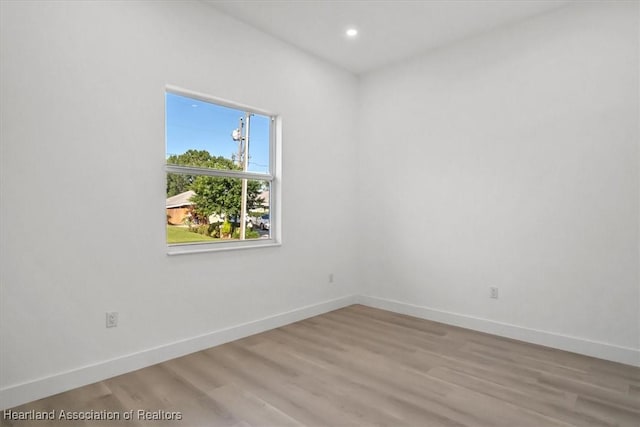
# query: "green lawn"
(176, 234)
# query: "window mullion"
(187, 170)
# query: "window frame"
(273, 177)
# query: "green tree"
(221, 195)
(179, 183)
(214, 195)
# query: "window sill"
(196, 248)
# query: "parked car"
(263, 222)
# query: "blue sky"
(199, 125)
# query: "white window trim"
(275, 167)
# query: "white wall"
(82, 187)
(511, 160)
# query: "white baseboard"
(26, 392)
(601, 350)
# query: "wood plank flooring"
(360, 366)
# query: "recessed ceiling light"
(352, 32)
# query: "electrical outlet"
(112, 319)
(330, 277)
(493, 292)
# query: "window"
(220, 180)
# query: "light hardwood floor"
(360, 366)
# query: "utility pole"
(237, 136)
(245, 164)
(241, 136)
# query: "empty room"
(320, 213)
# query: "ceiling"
(389, 31)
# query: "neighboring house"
(264, 206)
(179, 207)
